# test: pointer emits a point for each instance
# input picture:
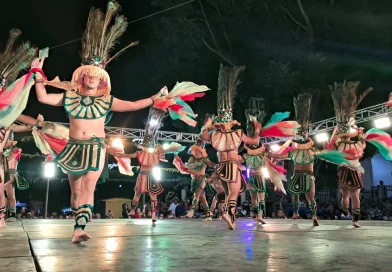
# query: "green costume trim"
(296, 206)
(301, 156)
(2, 211)
(86, 107)
(21, 182)
(197, 183)
(11, 212)
(254, 161)
(256, 183)
(83, 216)
(300, 183)
(195, 202)
(81, 156)
(261, 206)
(313, 208)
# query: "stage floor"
(193, 245)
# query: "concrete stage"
(193, 245)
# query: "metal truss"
(361, 116)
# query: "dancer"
(346, 100)
(256, 161)
(15, 180)
(304, 155)
(149, 156)
(226, 140)
(87, 101)
(5, 144)
(196, 167)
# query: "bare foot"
(220, 218)
(207, 219)
(190, 214)
(154, 221)
(11, 219)
(315, 221)
(260, 220)
(229, 224)
(80, 236)
(2, 224)
(296, 216)
(356, 224)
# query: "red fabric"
(34, 70)
(272, 132)
(163, 104)
(138, 215)
(287, 150)
(380, 137)
(176, 107)
(17, 153)
(191, 97)
(56, 144)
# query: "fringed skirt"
(228, 172)
(300, 183)
(81, 156)
(146, 183)
(349, 178)
(256, 183)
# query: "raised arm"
(205, 135)
(29, 123)
(21, 128)
(122, 105)
(253, 140)
(42, 95)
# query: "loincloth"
(228, 172)
(146, 183)
(349, 178)
(301, 182)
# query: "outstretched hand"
(37, 63)
(40, 118)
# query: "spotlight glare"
(165, 146)
(322, 137)
(275, 147)
(151, 150)
(49, 170)
(382, 122)
(265, 172)
(117, 143)
(156, 172)
(153, 122)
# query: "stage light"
(247, 172)
(49, 170)
(153, 122)
(275, 147)
(117, 143)
(165, 146)
(156, 172)
(382, 122)
(322, 137)
(265, 172)
(151, 150)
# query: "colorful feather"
(173, 148)
(180, 165)
(381, 140)
(276, 127)
(338, 157)
(124, 166)
(276, 174)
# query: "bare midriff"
(85, 129)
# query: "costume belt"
(92, 140)
(306, 172)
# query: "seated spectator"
(125, 210)
(180, 210)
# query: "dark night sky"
(50, 23)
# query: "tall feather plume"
(14, 61)
(101, 36)
(227, 85)
(250, 116)
(302, 105)
(346, 100)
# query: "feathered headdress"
(227, 88)
(99, 39)
(302, 106)
(199, 145)
(12, 61)
(251, 117)
(154, 122)
(345, 101)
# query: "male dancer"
(304, 155)
(87, 102)
(149, 156)
(226, 141)
(220, 198)
(196, 167)
(345, 102)
(13, 157)
(255, 160)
